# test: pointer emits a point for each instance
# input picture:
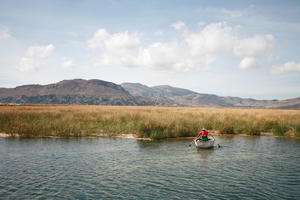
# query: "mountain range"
(99, 92)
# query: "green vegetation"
(297, 129)
(280, 129)
(146, 122)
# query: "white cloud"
(214, 38)
(39, 51)
(68, 64)
(34, 57)
(248, 63)
(172, 56)
(28, 64)
(257, 45)
(195, 51)
(110, 42)
(124, 49)
(116, 49)
(285, 68)
(4, 35)
(178, 25)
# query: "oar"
(219, 146)
(191, 143)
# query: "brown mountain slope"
(98, 92)
(77, 91)
(185, 97)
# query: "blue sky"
(229, 48)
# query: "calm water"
(104, 168)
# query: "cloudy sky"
(229, 48)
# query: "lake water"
(116, 168)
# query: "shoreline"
(133, 136)
(128, 136)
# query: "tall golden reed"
(152, 122)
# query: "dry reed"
(152, 122)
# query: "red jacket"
(203, 133)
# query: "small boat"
(205, 144)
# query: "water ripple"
(260, 168)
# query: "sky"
(245, 48)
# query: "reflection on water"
(115, 168)
(205, 153)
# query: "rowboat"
(205, 144)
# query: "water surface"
(116, 168)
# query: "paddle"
(191, 143)
(219, 146)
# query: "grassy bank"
(152, 122)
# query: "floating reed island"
(143, 121)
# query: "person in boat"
(203, 135)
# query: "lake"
(119, 168)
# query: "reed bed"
(145, 122)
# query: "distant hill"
(77, 91)
(99, 92)
(184, 97)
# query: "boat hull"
(205, 144)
